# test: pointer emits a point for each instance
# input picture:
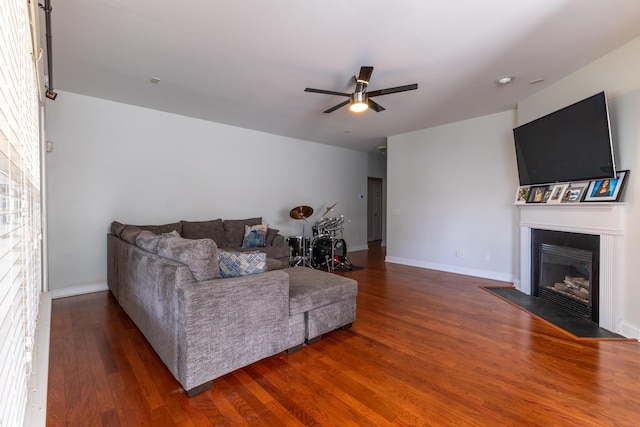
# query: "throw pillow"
(271, 234)
(148, 241)
(233, 264)
(201, 256)
(255, 236)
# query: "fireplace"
(604, 220)
(565, 270)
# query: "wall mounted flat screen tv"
(571, 144)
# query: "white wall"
(114, 161)
(377, 166)
(454, 186)
(618, 73)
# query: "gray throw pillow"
(148, 241)
(201, 255)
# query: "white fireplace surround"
(602, 219)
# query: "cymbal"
(301, 212)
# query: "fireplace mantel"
(602, 219)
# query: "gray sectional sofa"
(203, 325)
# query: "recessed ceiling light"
(154, 80)
(505, 80)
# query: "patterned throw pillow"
(255, 236)
(233, 264)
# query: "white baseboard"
(628, 330)
(485, 274)
(358, 248)
(36, 411)
(72, 291)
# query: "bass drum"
(321, 250)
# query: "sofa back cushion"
(130, 234)
(201, 255)
(234, 230)
(117, 228)
(205, 230)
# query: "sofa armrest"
(225, 324)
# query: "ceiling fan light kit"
(360, 99)
(358, 102)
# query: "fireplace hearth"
(564, 270)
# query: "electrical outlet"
(395, 212)
(487, 256)
(459, 253)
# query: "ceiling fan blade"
(392, 90)
(365, 74)
(375, 106)
(326, 92)
(334, 108)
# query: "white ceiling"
(246, 63)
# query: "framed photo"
(536, 193)
(557, 192)
(574, 193)
(607, 190)
(522, 194)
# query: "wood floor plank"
(427, 348)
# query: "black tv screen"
(571, 144)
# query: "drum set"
(327, 250)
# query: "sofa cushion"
(212, 229)
(117, 228)
(234, 230)
(201, 255)
(130, 233)
(255, 236)
(164, 228)
(276, 264)
(233, 264)
(148, 241)
(310, 289)
(271, 234)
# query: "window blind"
(20, 218)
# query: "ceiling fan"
(360, 99)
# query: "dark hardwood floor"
(427, 348)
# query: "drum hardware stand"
(302, 213)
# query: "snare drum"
(299, 245)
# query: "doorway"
(375, 203)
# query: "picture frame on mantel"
(537, 193)
(557, 193)
(574, 193)
(522, 194)
(607, 190)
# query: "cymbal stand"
(303, 260)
